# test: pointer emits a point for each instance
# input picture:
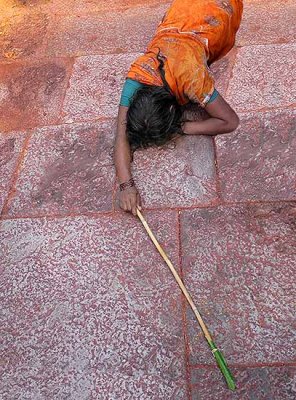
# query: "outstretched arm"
(122, 152)
(129, 198)
(223, 119)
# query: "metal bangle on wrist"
(126, 185)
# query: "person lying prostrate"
(175, 71)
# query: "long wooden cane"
(221, 362)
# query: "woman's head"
(153, 117)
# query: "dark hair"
(154, 115)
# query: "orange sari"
(192, 34)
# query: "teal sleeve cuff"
(214, 95)
(129, 89)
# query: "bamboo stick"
(216, 353)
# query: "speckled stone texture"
(32, 94)
(267, 22)
(66, 169)
(10, 148)
(222, 71)
(186, 176)
(239, 264)
(66, 7)
(105, 33)
(255, 383)
(89, 311)
(257, 162)
(265, 74)
(95, 86)
(22, 34)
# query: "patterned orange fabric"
(192, 34)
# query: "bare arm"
(122, 152)
(223, 119)
(129, 199)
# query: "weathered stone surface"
(22, 34)
(262, 77)
(180, 174)
(104, 33)
(239, 265)
(222, 71)
(89, 310)
(267, 22)
(95, 87)
(10, 148)
(253, 383)
(102, 5)
(257, 162)
(32, 94)
(75, 7)
(67, 169)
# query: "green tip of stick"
(223, 366)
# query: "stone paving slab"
(66, 7)
(267, 22)
(32, 94)
(262, 78)
(104, 33)
(96, 83)
(23, 6)
(22, 34)
(89, 310)
(239, 264)
(277, 383)
(92, 6)
(68, 168)
(222, 71)
(178, 175)
(257, 161)
(95, 87)
(10, 147)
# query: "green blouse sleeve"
(214, 95)
(129, 89)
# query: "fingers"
(129, 205)
(139, 202)
(130, 202)
(134, 206)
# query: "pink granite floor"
(88, 309)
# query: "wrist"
(127, 184)
(187, 127)
(123, 177)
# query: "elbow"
(232, 124)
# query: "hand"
(129, 200)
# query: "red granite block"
(239, 265)
(267, 22)
(78, 7)
(180, 174)
(83, 7)
(90, 310)
(253, 383)
(10, 147)
(222, 71)
(67, 169)
(262, 77)
(22, 33)
(31, 6)
(257, 162)
(112, 32)
(95, 86)
(32, 94)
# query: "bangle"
(127, 184)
